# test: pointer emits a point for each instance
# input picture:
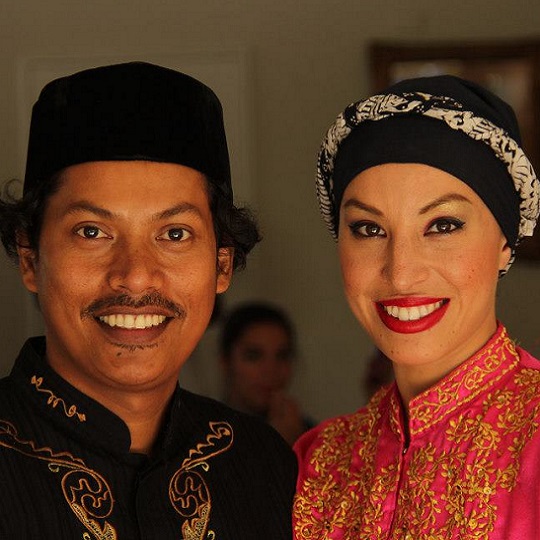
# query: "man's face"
(126, 274)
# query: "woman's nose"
(404, 265)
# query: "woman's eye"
(445, 226)
(177, 234)
(91, 232)
(367, 229)
(252, 354)
(284, 355)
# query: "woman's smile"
(412, 314)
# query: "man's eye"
(177, 234)
(445, 226)
(91, 232)
(367, 229)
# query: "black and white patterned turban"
(446, 122)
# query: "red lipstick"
(424, 322)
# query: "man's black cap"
(132, 111)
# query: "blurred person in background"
(258, 356)
(379, 373)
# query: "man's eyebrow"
(86, 206)
(355, 203)
(445, 199)
(181, 208)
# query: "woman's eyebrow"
(445, 199)
(355, 203)
(440, 201)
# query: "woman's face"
(420, 254)
(259, 367)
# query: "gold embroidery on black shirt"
(188, 491)
(54, 400)
(86, 491)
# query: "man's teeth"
(412, 313)
(137, 322)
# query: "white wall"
(304, 61)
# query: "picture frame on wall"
(509, 69)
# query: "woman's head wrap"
(447, 123)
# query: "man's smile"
(132, 321)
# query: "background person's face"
(417, 243)
(126, 273)
(259, 366)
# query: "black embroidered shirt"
(66, 471)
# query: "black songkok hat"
(445, 122)
(132, 111)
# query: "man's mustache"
(125, 300)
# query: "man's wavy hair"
(22, 219)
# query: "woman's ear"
(224, 364)
(225, 268)
(27, 263)
(505, 254)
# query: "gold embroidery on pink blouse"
(335, 498)
(86, 491)
(482, 459)
(188, 491)
(474, 375)
(54, 400)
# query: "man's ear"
(225, 257)
(27, 263)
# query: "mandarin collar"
(459, 388)
(73, 411)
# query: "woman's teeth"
(412, 313)
(138, 322)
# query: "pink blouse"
(471, 470)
